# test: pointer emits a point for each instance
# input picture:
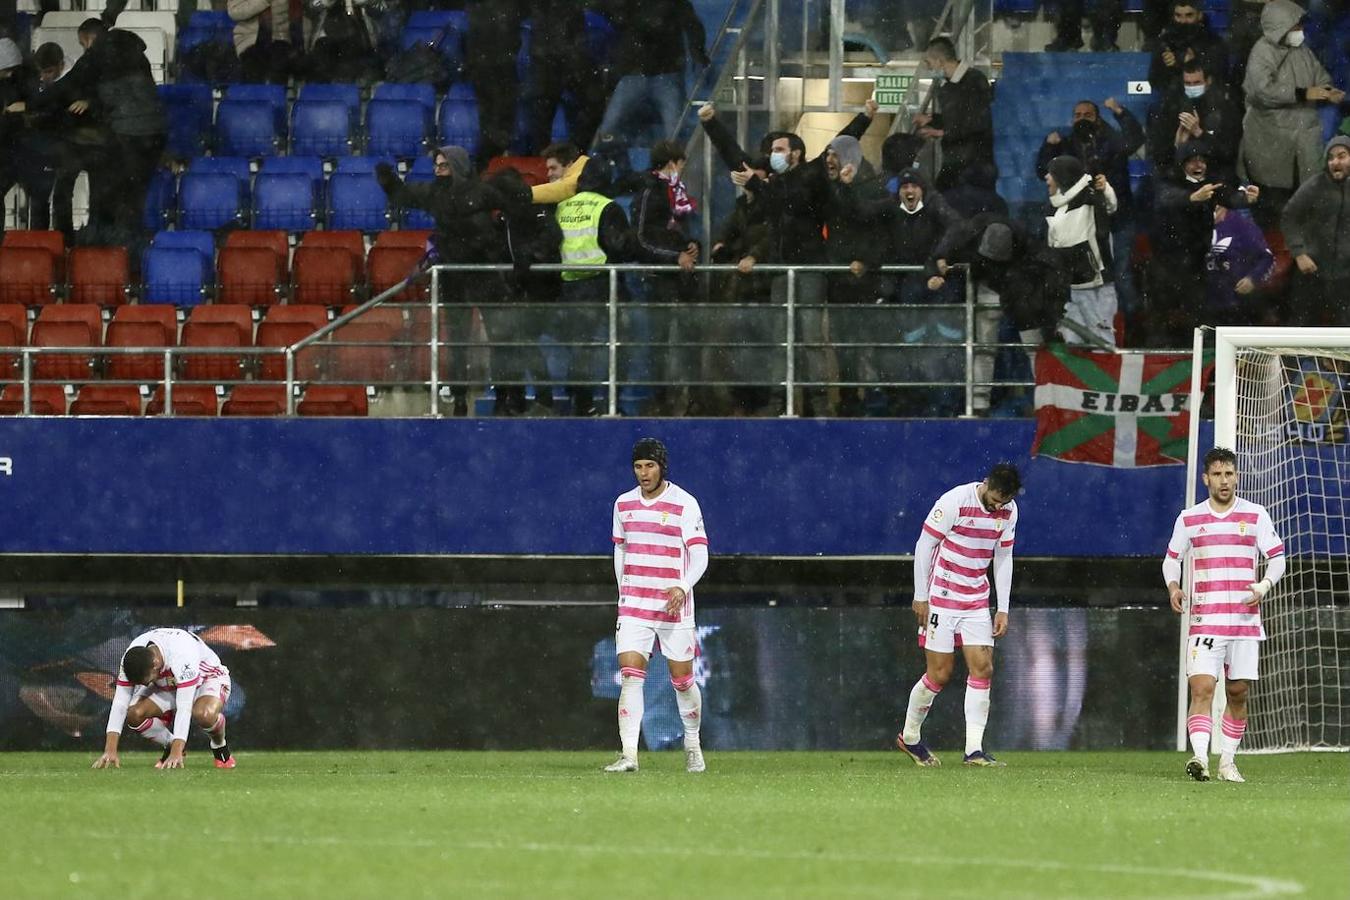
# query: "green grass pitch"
(396, 825)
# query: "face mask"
(1084, 129)
(1194, 91)
(1294, 39)
(1195, 179)
(778, 161)
(918, 207)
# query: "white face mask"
(778, 161)
(918, 207)
(1194, 91)
(1294, 39)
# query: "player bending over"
(1223, 534)
(969, 526)
(169, 670)
(660, 552)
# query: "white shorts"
(676, 640)
(1234, 658)
(208, 687)
(947, 630)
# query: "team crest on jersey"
(665, 517)
(998, 524)
(937, 515)
(1195, 620)
(1242, 528)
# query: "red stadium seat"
(311, 314)
(272, 366)
(256, 400)
(87, 314)
(367, 364)
(276, 241)
(216, 325)
(251, 276)
(407, 238)
(333, 400)
(107, 400)
(160, 314)
(326, 276)
(54, 242)
(136, 366)
(62, 366)
(48, 400)
(13, 333)
(390, 265)
(351, 241)
(27, 276)
(100, 275)
(533, 169)
(188, 400)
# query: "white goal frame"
(1228, 341)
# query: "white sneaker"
(693, 760)
(623, 764)
(1198, 768)
(1229, 772)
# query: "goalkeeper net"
(1280, 404)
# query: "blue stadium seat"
(210, 200)
(161, 200)
(237, 166)
(356, 202)
(192, 239)
(359, 165)
(206, 28)
(459, 119)
(423, 170)
(397, 127)
(348, 94)
(321, 128)
(187, 107)
(247, 128)
(274, 94)
(176, 275)
(311, 166)
(424, 94)
(284, 202)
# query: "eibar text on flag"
(1123, 410)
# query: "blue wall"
(419, 486)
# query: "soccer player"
(968, 526)
(1224, 534)
(660, 552)
(169, 670)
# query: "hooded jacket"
(1102, 149)
(1182, 226)
(1083, 215)
(1282, 133)
(461, 205)
(115, 74)
(1316, 220)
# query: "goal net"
(1280, 405)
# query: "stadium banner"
(546, 678)
(1126, 410)
(768, 487)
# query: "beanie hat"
(848, 150)
(910, 176)
(1339, 140)
(1067, 171)
(996, 243)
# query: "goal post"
(1280, 405)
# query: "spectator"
(654, 39)
(1106, 16)
(1183, 229)
(1244, 30)
(1081, 229)
(976, 194)
(462, 208)
(796, 200)
(45, 160)
(664, 210)
(490, 51)
(963, 124)
(1282, 132)
(263, 38)
(911, 231)
(565, 164)
(1187, 37)
(1202, 109)
(898, 153)
(1104, 150)
(16, 85)
(595, 232)
(560, 62)
(1317, 230)
(1237, 267)
(345, 42)
(530, 236)
(112, 83)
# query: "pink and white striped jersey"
(656, 536)
(188, 661)
(1224, 549)
(968, 536)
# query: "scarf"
(681, 204)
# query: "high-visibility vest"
(579, 219)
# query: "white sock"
(1229, 738)
(631, 706)
(977, 713)
(1198, 727)
(690, 701)
(156, 732)
(920, 701)
(217, 734)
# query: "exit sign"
(893, 82)
(889, 99)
